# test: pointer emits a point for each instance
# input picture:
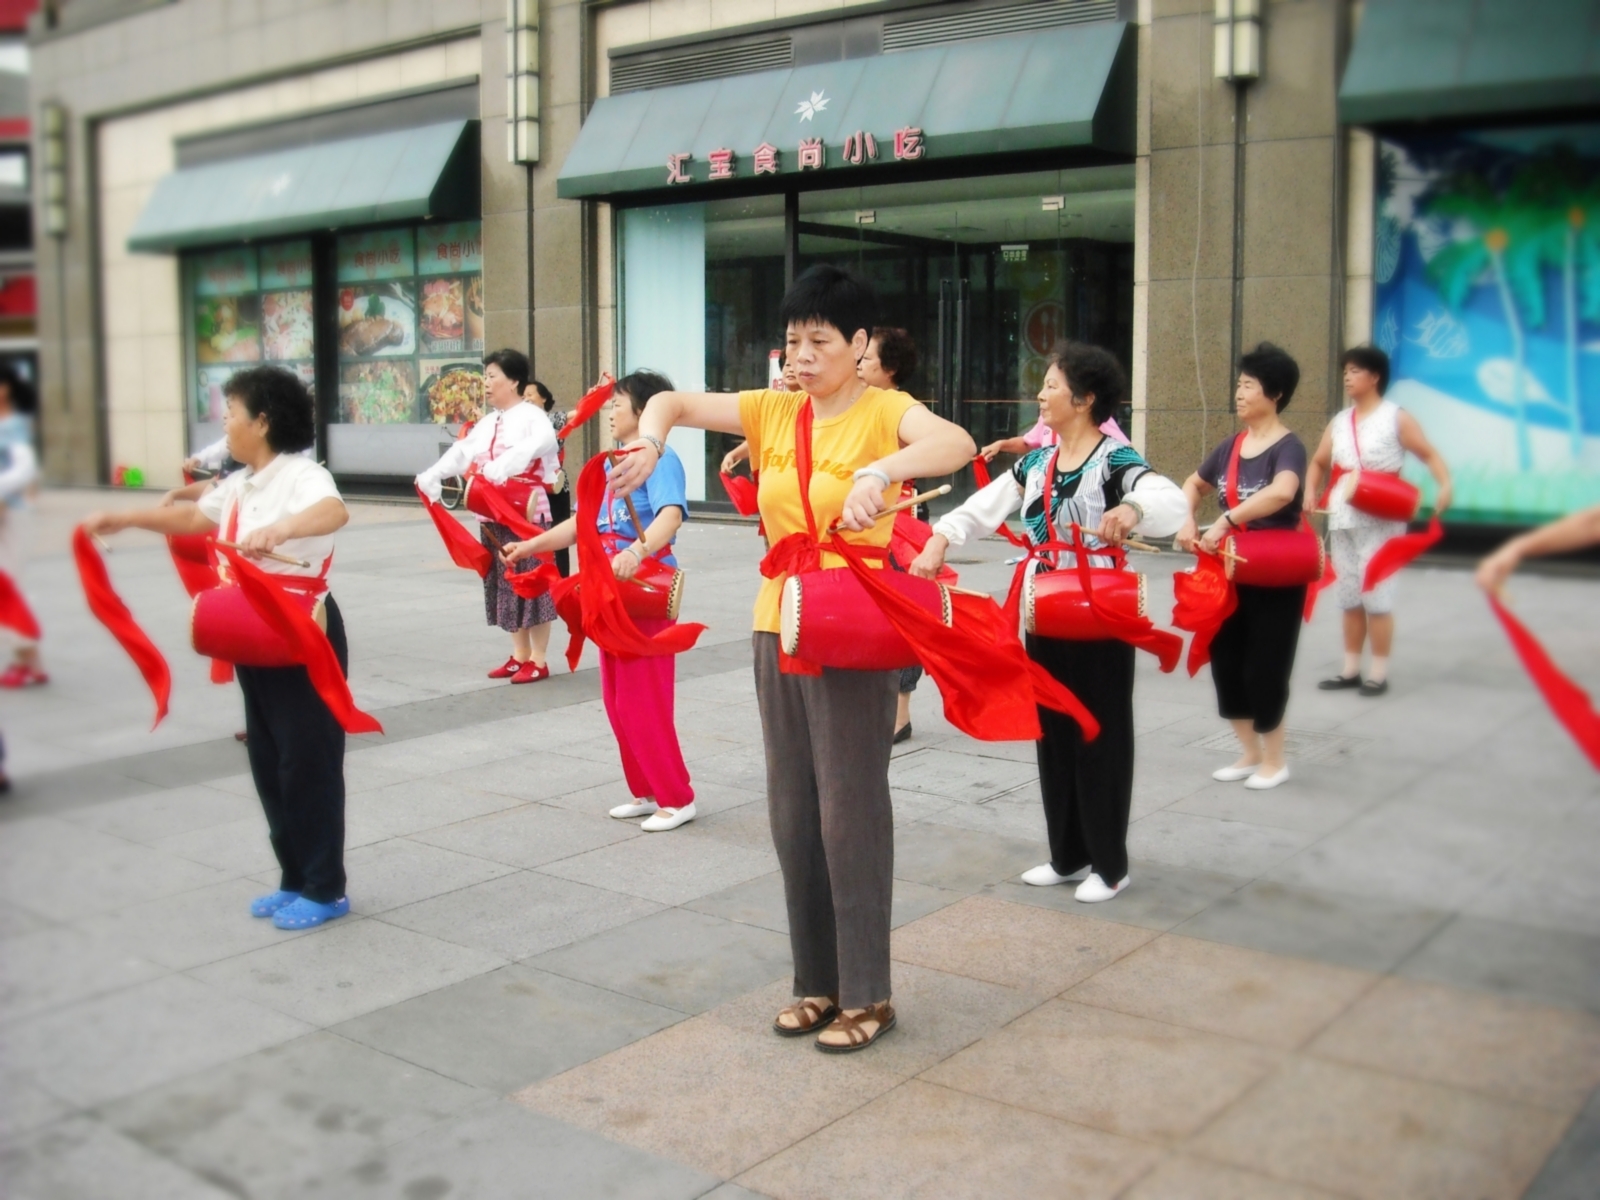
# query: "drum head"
(789, 615)
(675, 595)
(1027, 602)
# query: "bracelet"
(661, 451)
(1228, 517)
(1138, 509)
(875, 473)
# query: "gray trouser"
(828, 739)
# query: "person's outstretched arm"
(1574, 532)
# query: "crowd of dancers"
(832, 450)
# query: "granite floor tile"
(1015, 814)
(415, 805)
(529, 835)
(901, 1146)
(1570, 1172)
(669, 868)
(342, 970)
(1549, 966)
(16, 921)
(677, 958)
(744, 825)
(235, 848)
(1566, 894)
(1365, 932)
(509, 1028)
(1017, 946)
(1159, 896)
(280, 1121)
(535, 777)
(1212, 844)
(156, 815)
(400, 871)
(1362, 1133)
(80, 1157)
(1187, 1177)
(26, 1105)
(712, 1097)
(141, 1037)
(1125, 1075)
(732, 1191)
(520, 915)
(969, 777)
(960, 859)
(52, 967)
(1300, 809)
(757, 901)
(502, 1149)
(1245, 994)
(1503, 1048)
(744, 768)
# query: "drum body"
(1275, 557)
(223, 625)
(1387, 497)
(660, 595)
(518, 491)
(1054, 604)
(826, 617)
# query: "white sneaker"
(1232, 774)
(1093, 889)
(1045, 875)
(1262, 783)
(669, 818)
(642, 808)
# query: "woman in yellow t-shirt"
(827, 737)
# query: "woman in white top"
(514, 440)
(285, 502)
(1373, 434)
(19, 474)
(1105, 487)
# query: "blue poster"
(1487, 275)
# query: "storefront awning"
(1061, 88)
(1457, 59)
(403, 174)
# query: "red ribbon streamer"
(14, 611)
(1141, 632)
(908, 538)
(1570, 703)
(502, 510)
(1206, 598)
(530, 585)
(742, 492)
(111, 612)
(1399, 551)
(464, 549)
(305, 638)
(980, 474)
(594, 595)
(191, 555)
(588, 404)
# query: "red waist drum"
(826, 617)
(223, 625)
(1387, 497)
(518, 492)
(1275, 557)
(1054, 604)
(655, 591)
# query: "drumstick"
(1135, 544)
(633, 513)
(105, 548)
(942, 490)
(960, 591)
(272, 554)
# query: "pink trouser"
(638, 695)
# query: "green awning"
(403, 174)
(1061, 88)
(1457, 59)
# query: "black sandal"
(811, 1016)
(859, 1039)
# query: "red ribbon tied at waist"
(111, 612)
(1205, 599)
(1570, 703)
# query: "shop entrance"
(986, 274)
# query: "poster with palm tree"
(1487, 299)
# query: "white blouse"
(502, 445)
(287, 485)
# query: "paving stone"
(400, 871)
(1212, 844)
(669, 868)
(53, 967)
(1545, 965)
(153, 816)
(81, 1157)
(529, 835)
(1160, 896)
(959, 859)
(1570, 1172)
(1189, 1177)
(941, 772)
(509, 1028)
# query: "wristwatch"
(656, 442)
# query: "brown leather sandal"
(860, 1039)
(809, 1013)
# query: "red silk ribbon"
(588, 404)
(111, 612)
(191, 555)
(1205, 599)
(464, 549)
(1141, 632)
(1400, 551)
(980, 475)
(14, 611)
(742, 492)
(305, 638)
(502, 510)
(1570, 703)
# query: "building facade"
(373, 193)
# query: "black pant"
(1088, 786)
(1252, 655)
(297, 760)
(560, 510)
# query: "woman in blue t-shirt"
(638, 692)
(1252, 655)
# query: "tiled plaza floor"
(1382, 980)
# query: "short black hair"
(546, 396)
(897, 353)
(1091, 370)
(283, 399)
(23, 397)
(1368, 358)
(833, 296)
(639, 386)
(513, 365)
(1276, 372)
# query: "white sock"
(1352, 664)
(1380, 669)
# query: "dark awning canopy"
(402, 174)
(1071, 87)
(1455, 59)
